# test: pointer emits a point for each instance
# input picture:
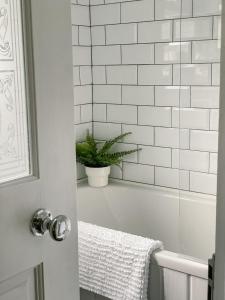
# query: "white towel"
(114, 264)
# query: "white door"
(36, 166)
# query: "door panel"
(22, 286)
(54, 189)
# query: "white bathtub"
(184, 222)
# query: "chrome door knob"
(42, 221)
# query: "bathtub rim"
(172, 192)
(163, 258)
(181, 263)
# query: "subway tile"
(153, 32)
(80, 171)
(99, 112)
(190, 160)
(107, 94)
(120, 1)
(106, 55)
(98, 35)
(75, 35)
(121, 74)
(83, 94)
(172, 137)
(76, 75)
(137, 11)
(214, 119)
(156, 156)
(204, 140)
(205, 97)
(215, 74)
(121, 34)
(172, 96)
(120, 147)
(192, 74)
(206, 7)
(155, 75)
(81, 55)
(154, 116)
(203, 183)
(193, 29)
(105, 131)
(172, 178)
(83, 2)
(77, 115)
(85, 75)
(80, 15)
(167, 9)
(217, 27)
(96, 2)
(205, 51)
(99, 74)
(116, 172)
(84, 35)
(105, 14)
(122, 114)
(86, 113)
(213, 163)
(192, 118)
(138, 54)
(138, 173)
(140, 134)
(81, 131)
(138, 95)
(176, 52)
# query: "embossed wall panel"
(14, 149)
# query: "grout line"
(120, 12)
(154, 20)
(92, 86)
(106, 79)
(105, 35)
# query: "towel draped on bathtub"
(114, 264)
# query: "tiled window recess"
(157, 75)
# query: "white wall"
(136, 51)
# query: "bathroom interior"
(141, 78)
(153, 68)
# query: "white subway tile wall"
(82, 71)
(155, 71)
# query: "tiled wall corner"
(82, 71)
(155, 72)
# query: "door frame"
(219, 287)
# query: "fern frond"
(120, 154)
(108, 144)
(89, 155)
(91, 142)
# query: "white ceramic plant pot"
(98, 177)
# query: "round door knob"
(43, 221)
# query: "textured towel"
(114, 264)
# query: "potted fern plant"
(97, 158)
